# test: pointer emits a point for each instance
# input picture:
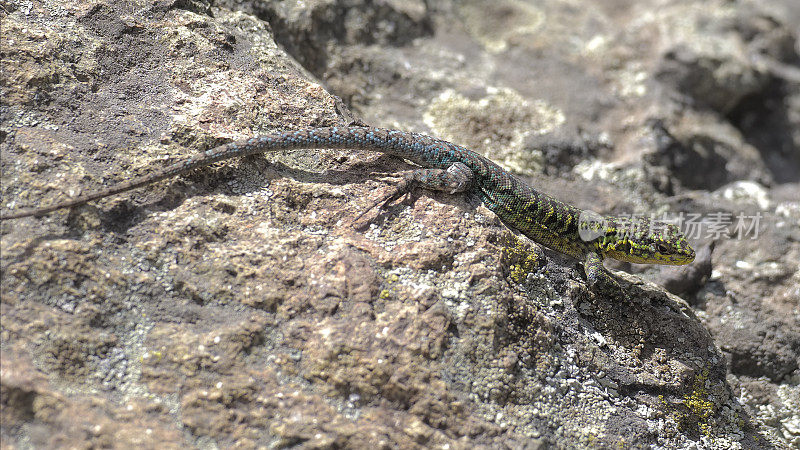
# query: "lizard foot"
(399, 189)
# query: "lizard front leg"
(596, 273)
(598, 277)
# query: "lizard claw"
(400, 189)
(391, 177)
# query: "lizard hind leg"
(456, 178)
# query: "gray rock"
(241, 306)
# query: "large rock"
(245, 305)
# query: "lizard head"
(640, 240)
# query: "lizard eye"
(662, 248)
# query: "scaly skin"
(449, 167)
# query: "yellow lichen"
(695, 408)
(698, 404)
(522, 260)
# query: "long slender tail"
(217, 154)
(385, 141)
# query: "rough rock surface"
(241, 306)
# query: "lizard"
(444, 166)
